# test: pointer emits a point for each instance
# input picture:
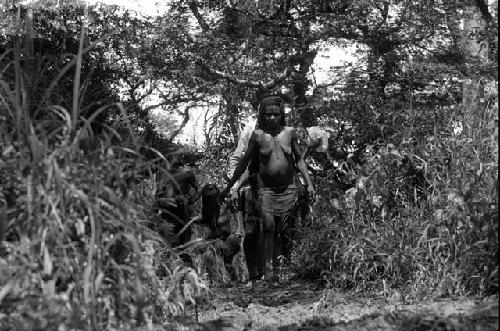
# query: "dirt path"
(302, 306)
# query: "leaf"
(98, 281)
(3, 222)
(58, 176)
(47, 262)
(6, 289)
(7, 150)
(63, 114)
(112, 197)
(80, 227)
(79, 194)
(86, 282)
(29, 195)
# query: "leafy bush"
(76, 246)
(76, 243)
(423, 216)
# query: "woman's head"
(271, 113)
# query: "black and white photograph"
(249, 165)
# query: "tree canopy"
(226, 53)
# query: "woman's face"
(272, 116)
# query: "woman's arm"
(243, 180)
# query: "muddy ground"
(299, 305)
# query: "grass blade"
(78, 69)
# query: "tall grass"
(422, 219)
(76, 247)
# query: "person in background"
(243, 198)
(313, 142)
(313, 139)
(177, 191)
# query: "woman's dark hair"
(270, 101)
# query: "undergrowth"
(422, 218)
(77, 249)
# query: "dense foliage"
(408, 195)
(421, 218)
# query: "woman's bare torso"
(275, 166)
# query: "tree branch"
(185, 119)
(193, 5)
(249, 83)
(171, 101)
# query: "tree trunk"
(476, 50)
